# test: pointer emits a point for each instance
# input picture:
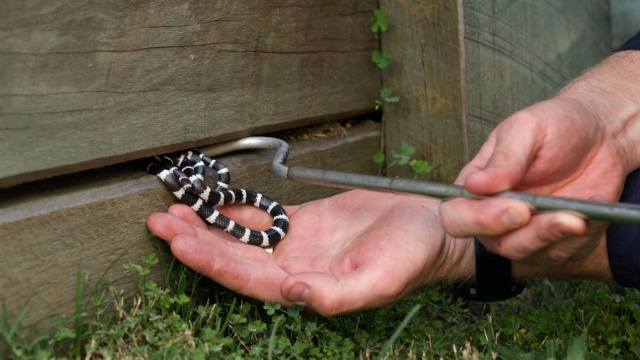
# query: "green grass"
(192, 317)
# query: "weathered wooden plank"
(519, 53)
(88, 84)
(425, 41)
(50, 230)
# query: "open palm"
(353, 251)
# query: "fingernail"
(299, 293)
(513, 218)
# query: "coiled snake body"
(184, 175)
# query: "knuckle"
(327, 309)
(513, 251)
(451, 220)
(486, 222)
(324, 305)
(557, 254)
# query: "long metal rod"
(597, 210)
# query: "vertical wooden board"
(424, 39)
(521, 52)
(87, 84)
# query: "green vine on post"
(382, 58)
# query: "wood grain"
(89, 84)
(519, 53)
(94, 222)
(461, 67)
(425, 41)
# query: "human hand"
(353, 251)
(581, 144)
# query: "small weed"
(403, 157)
(381, 57)
(379, 21)
(386, 98)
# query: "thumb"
(507, 160)
(330, 295)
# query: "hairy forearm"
(611, 90)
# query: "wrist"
(595, 267)
(611, 92)
(461, 260)
(493, 280)
(457, 263)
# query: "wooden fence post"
(461, 67)
(424, 38)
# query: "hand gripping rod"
(596, 210)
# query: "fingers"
(244, 214)
(183, 221)
(367, 287)
(488, 217)
(246, 269)
(187, 214)
(163, 225)
(549, 238)
(512, 229)
(167, 226)
(252, 273)
(178, 220)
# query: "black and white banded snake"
(184, 175)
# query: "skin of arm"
(612, 91)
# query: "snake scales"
(184, 174)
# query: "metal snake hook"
(597, 210)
